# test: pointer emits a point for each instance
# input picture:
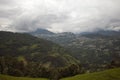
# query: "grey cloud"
(6, 2)
(9, 12)
(59, 15)
(28, 23)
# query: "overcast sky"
(59, 15)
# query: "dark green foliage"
(12, 66)
(25, 55)
(94, 50)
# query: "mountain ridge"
(84, 46)
(22, 54)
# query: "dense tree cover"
(15, 67)
(94, 50)
(25, 55)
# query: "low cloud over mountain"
(59, 15)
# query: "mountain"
(94, 50)
(41, 31)
(59, 55)
(60, 38)
(99, 33)
(24, 55)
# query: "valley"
(54, 56)
(94, 50)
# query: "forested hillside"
(25, 55)
(95, 50)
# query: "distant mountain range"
(102, 33)
(98, 32)
(41, 31)
(94, 49)
(55, 55)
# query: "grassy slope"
(113, 74)
(5, 77)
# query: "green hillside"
(33, 49)
(104, 47)
(5, 77)
(113, 74)
(25, 55)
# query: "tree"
(3, 67)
